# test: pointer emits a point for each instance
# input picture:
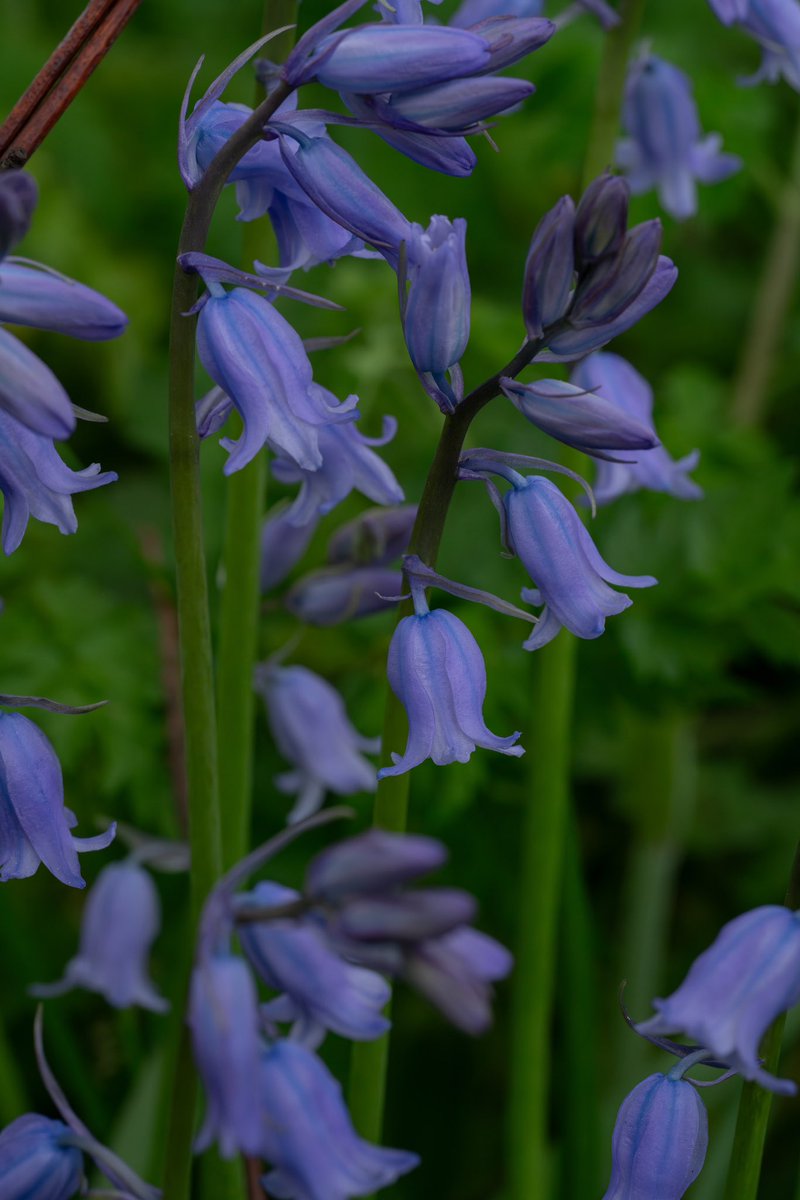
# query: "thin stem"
(193, 615)
(61, 78)
(610, 88)
(772, 302)
(545, 823)
(756, 1102)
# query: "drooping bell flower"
(665, 148)
(35, 481)
(577, 416)
(448, 155)
(608, 287)
(283, 544)
(308, 1137)
(309, 723)
(370, 863)
(36, 296)
(614, 380)
(223, 1017)
(348, 464)
(660, 1141)
(38, 1161)
(601, 218)
(332, 595)
(320, 991)
(455, 972)
(775, 25)
(120, 923)
(735, 990)
(259, 361)
(550, 269)
(18, 198)
(34, 824)
(437, 672)
(377, 536)
(436, 310)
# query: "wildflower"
(34, 295)
(775, 25)
(377, 536)
(121, 920)
(34, 824)
(309, 722)
(18, 198)
(283, 544)
(601, 218)
(735, 990)
(308, 1136)
(660, 1141)
(618, 384)
(341, 593)
(258, 359)
(38, 1161)
(455, 972)
(471, 12)
(35, 481)
(665, 148)
(348, 463)
(549, 269)
(436, 311)
(578, 417)
(608, 287)
(223, 1017)
(320, 991)
(437, 671)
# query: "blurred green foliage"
(715, 648)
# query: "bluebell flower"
(735, 990)
(472, 11)
(394, 58)
(455, 972)
(259, 361)
(309, 723)
(620, 385)
(660, 1141)
(223, 1017)
(436, 311)
(308, 1137)
(437, 672)
(36, 296)
(348, 464)
(37, 1161)
(457, 105)
(601, 218)
(579, 416)
(570, 574)
(332, 595)
(377, 536)
(448, 155)
(665, 148)
(120, 923)
(370, 863)
(283, 544)
(18, 197)
(550, 269)
(608, 287)
(320, 991)
(333, 180)
(34, 824)
(775, 25)
(35, 481)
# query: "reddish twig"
(62, 77)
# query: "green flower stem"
(773, 299)
(617, 47)
(369, 1060)
(657, 792)
(545, 824)
(755, 1102)
(238, 624)
(193, 615)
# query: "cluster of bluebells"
(325, 954)
(730, 997)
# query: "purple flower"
(35, 481)
(348, 464)
(665, 148)
(332, 595)
(473, 11)
(223, 1017)
(775, 25)
(37, 296)
(377, 536)
(320, 990)
(370, 863)
(601, 218)
(310, 726)
(571, 577)
(436, 311)
(37, 1161)
(308, 1136)
(455, 972)
(620, 385)
(437, 671)
(18, 198)
(283, 544)
(578, 416)
(120, 923)
(449, 155)
(549, 269)
(608, 287)
(258, 359)
(460, 103)
(735, 990)
(34, 824)
(395, 58)
(660, 1141)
